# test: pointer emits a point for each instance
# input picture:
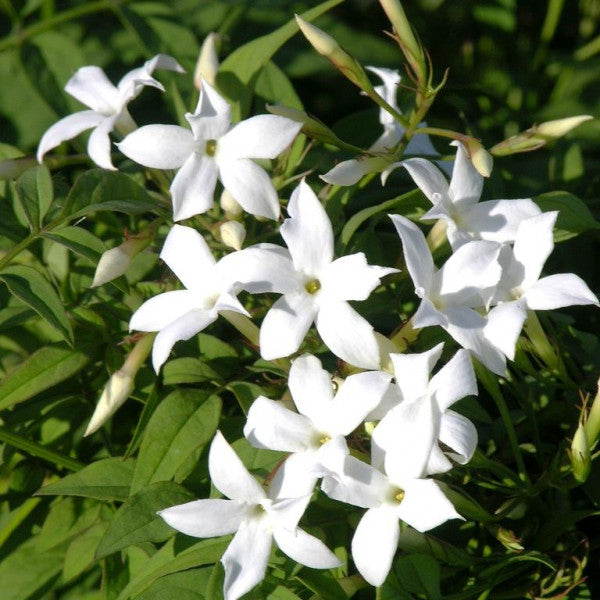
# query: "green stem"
(543, 347)
(244, 325)
(35, 449)
(551, 21)
(24, 243)
(63, 17)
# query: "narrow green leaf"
(183, 586)
(136, 521)
(323, 584)
(80, 553)
(106, 479)
(80, 241)
(246, 393)
(188, 370)
(184, 422)
(417, 574)
(35, 193)
(31, 287)
(43, 369)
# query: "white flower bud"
(114, 262)
(580, 455)
(233, 234)
(230, 205)
(482, 160)
(560, 127)
(208, 61)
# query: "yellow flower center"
(313, 286)
(211, 147)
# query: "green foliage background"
(92, 532)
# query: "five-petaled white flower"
(108, 104)
(315, 287)
(180, 314)
(255, 517)
(315, 434)
(214, 149)
(457, 204)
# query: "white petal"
(310, 386)
(459, 434)
(374, 544)
(246, 558)
(420, 143)
(331, 456)
(285, 325)
(229, 475)
(428, 178)
(91, 87)
(349, 172)
(296, 477)
(438, 462)
(347, 334)
(158, 312)
(427, 315)
(416, 252)
(251, 187)
(263, 136)
(212, 116)
(308, 232)
(193, 187)
(556, 291)
(351, 278)
(425, 506)
(412, 371)
(182, 328)
(67, 128)
(99, 143)
(504, 324)
(305, 549)
(270, 425)
(466, 183)
(388, 91)
(206, 518)
(286, 512)
(159, 146)
(454, 381)
(189, 257)
(533, 245)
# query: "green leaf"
(246, 393)
(415, 575)
(183, 586)
(407, 201)
(106, 479)
(323, 584)
(184, 422)
(413, 542)
(574, 216)
(33, 289)
(102, 190)
(81, 552)
(136, 521)
(188, 370)
(80, 241)
(43, 369)
(35, 193)
(239, 70)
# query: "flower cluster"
(480, 296)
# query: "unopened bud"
(592, 423)
(114, 262)
(559, 127)
(507, 538)
(580, 454)
(208, 61)
(120, 384)
(482, 160)
(230, 205)
(233, 234)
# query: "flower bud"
(559, 127)
(580, 454)
(120, 384)
(482, 160)
(230, 205)
(233, 234)
(208, 61)
(592, 423)
(507, 538)
(114, 262)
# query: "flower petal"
(459, 434)
(310, 386)
(466, 183)
(427, 315)
(308, 233)
(305, 549)
(296, 477)
(212, 116)
(349, 172)
(262, 136)
(250, 186)
(454, 381)
(347, 334)
(271, 425)
(556, 291)
(504, 324)
(67, 128)
(99, 143)
(286, 324)
(429, 179)
(206, 518)
(159, 146)
(229, 475)
(91, 87)
(160, 311)
(193, 187)
(425, 506)
(246, 558)
(374, 544)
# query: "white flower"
(315, 434)
(451, 295)
(180, 314)
(349, 172)
(214, 150)
(457, 204)
(254, 517)
(520, 288)
(108, 106)
(314, 286)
